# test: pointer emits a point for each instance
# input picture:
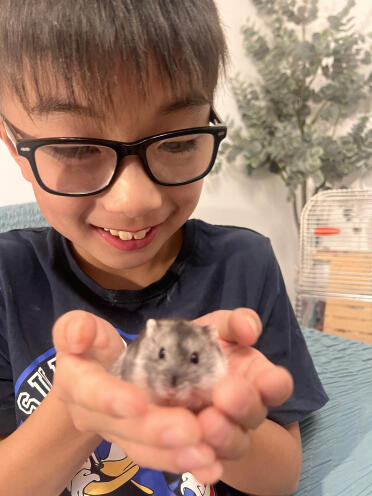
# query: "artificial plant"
(307, 115)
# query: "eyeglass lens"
(74, 168)
(84, 168)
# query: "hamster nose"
(174, 380)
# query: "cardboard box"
(348, 313)
(349, 271)
(349, 318)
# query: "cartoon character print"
(106, 471)
(117, 474)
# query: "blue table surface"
(337, 439)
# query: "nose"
(133, 192)
(174, 380)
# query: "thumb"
(83, 333)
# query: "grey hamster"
(175, 362)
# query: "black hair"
(83, 46)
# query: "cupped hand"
(253, 383)
(162, 438)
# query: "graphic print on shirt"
(107, 471)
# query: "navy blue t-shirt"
(218, 267)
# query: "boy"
(83, 83)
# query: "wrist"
(271, 464)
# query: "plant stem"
(303, 194)
(295, 213)
(319, 187)
(297, 209)
(319, 111)
(336, 122)
(299, 123)
(315, 75)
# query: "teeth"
(141, 234)
(127, 236)
(124, 235)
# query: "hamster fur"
(175, 362)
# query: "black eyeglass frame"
(26, 148)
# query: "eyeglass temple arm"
(214, 117)
(9, 132)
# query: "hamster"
(175, 362)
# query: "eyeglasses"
(86, 166)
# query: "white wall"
(258, 201)
(13, 188)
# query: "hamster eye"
(194, 358)
(161, 354)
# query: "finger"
(240, 400)
(228, 439)
(255, 385)
(187, 459)
(275, 385)
(80, 332)
(74, 332)
(209, 475)
(242, 325)
(86, 383)
(162, 427)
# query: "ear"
(151, 327)
(212, 331)
(21, 161)
(7, 141)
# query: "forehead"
(178, 334)
(124, 91)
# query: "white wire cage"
(336, 256)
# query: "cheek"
(187, 197)
(62, 212)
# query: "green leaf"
(311, 84)
(367, 58)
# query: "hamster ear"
(212, 331)
(151, 326)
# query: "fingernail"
(252, 322)
(194, 457)
(74, 336)
(174, 437)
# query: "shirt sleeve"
(283, 343)
(7, 405)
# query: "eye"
(178, 146)
(194, 357)
(77, 152)
(161, 354)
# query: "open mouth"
(127, 240)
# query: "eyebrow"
(188, 101)
(55, 106)
(52, 105)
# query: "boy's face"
(133, 203)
